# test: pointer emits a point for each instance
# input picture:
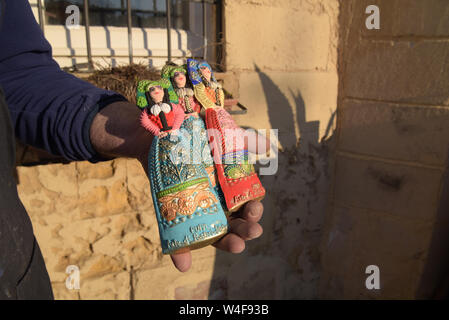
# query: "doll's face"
(156, 93)
(205, 72)
(180, 79)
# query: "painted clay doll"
(177, 75)
(237, 177)
(188, 211)
(193, 123)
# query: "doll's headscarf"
(145, 85)
(193, 67)
(168, 72)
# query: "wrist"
(116, 132)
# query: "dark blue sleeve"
(50, 109)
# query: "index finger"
(251, 211)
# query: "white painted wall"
(110, 44)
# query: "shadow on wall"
(284, 263)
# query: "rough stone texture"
(360, 238)
(406, 60)
(280, 35)
(407, 18)
(277, 38)
(391, 153)
(285, 68)
(298, 104)
(414, 133)
(82, 216)
(406, 191)
(164, 281)
(376, 71)
(286, 257)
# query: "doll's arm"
(148, 124)
(200, 94)
(196, 106)
(221, 97)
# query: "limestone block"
(165, 282)
(100, 170)
(406, 18)
(66, 242)
(37, 199)
(151, 284)
(359, 238)
(105, 174)
(60, 292)
(59, 178)
(402, 132)
(111, 286)
(101, 265)
(407, 72)
(252, 279)
(339, 241)
(398, 247)
(298, 104)
(102, 200)
(134, 245)
(277, 35)
(403, 191)
(28, 180)
(200, 291)
(139, 192)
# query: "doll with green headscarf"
(188, 210)
(159, 115)
(194, 125)
(182, 88)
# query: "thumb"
(182, 261)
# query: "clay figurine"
(193, 124)
(237, 177)
(188, 211)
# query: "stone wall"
(389, 187)
(100, 217)
(281, 62)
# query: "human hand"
(243, 226)
(115, 134)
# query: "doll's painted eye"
(178, 74)
(154, 88)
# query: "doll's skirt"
(188, 209)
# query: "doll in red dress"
(237, 177)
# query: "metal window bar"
(129, 25)
(41, 17)
(87, 28)
(168, 18)
(243, 109)
(130, 32)
(204, 30)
